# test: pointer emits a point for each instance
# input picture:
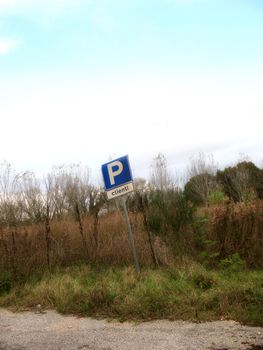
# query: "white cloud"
(7, 44)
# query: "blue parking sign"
(117, 177)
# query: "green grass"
(188, 292)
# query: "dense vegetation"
(200, 245)
(188, 292)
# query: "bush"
(203, 282)
(216, 197)
(237, 228)
(206, 247)
(169, 211)
(233, 263)
(6, 282)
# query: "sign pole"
(137, 266)
(118, 181)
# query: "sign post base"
(137, 265)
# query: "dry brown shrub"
(235, 228)
(111, 246)
(114, 246)
(238, 228)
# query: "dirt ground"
(50, 330)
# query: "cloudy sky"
(86, 80)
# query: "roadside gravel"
(50, 330)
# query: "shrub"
(169, 211)
(203, 282)
(233, 263)
(5, 282)
(206, 247)
(237, 228)
(216, 197)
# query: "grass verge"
(189, 292)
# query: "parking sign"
(117, 177)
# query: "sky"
(91, 80)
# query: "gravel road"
(49, 330)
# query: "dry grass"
(238, 228)
(234, 228)
(24, 248)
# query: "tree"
(73, 194)
(71, 187)
(201, 179)
(30, 198)
(199, 188)
(160, 177)
(10, 212)
(139, 184)
(242, 181)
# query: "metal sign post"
(118, 181)
(137, 266)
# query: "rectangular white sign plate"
(120, 190)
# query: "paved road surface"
(49, 330)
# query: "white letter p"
(117, 172)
